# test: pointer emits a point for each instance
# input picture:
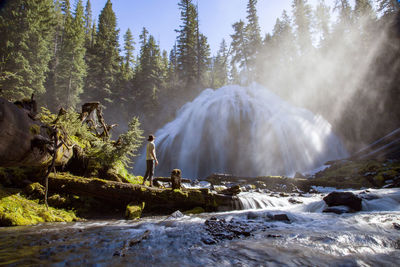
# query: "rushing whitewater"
(310, 237)
(243, 131)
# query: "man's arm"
(153, 153)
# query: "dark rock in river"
(233, 190)
(338, 209)
(220, 229)
(343, 199)
(280, 217)
(295, 201)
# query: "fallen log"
(168, 180)
(121, 194)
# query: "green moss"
(80, 142)
(357, 174)
(119, 170)
(34, 129)
(35, 190)
(58, 201)
(379, 180)
(134, 210)
(17, 210)
(196, 210)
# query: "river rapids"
(310, 237)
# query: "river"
(250, 237)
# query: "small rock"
(273, 236)
(252, 215)
(176, 214)
(281, 217)
(295, 201)
(397, 244)
(396, 226)
(208, 241)
(117, 253)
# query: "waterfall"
(245, 131)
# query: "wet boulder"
(233, 190)
(344, 199)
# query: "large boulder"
(344, 199)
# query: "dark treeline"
(347, 69)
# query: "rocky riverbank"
(73, 197)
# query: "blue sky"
(162, 17)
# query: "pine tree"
(389, 7)
(26, 30)
(363, 8)
(322, 16)
(252, 32)
(50, 85)
(219, 75)
(283, 37)
(203, 60)
(104, 64)
(366, 17)
(88, 25)
(129, 59)
(149, 76)
(240, 51)
(302, 20)
(234, 75)
(71, 69)
(345, 14)
(172, 72)
(187, 44)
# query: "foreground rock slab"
(121, 194)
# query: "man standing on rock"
(151, 159)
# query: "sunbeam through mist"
(244, 131)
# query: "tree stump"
(176, 179)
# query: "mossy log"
(168, 180)
(274, 183)
(23, 140)
(121, 194)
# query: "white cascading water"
(244, 131)
(381, 200)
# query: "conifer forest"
(273, 146)
(66, 57)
